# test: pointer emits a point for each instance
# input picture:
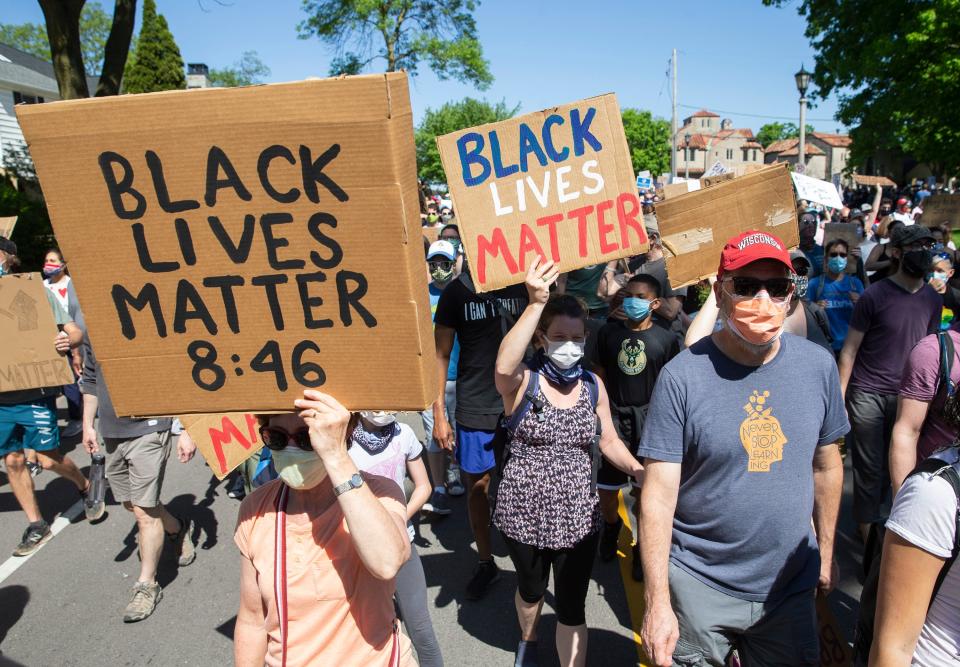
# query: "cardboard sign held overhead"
(846, 231)
(226, 440)
(232, 246)
(7, 225)
(28, 358)
(941, 210)
(882, 181)
(696, 225)
(815, 190)
(717, 169)
(555, 184)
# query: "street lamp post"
(803, 82)
(686, 155)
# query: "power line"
(755, 115)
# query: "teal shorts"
(30, 425)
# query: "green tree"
(770, 132)
(33, 233)
(649, 141)
(451, 117)
(244, 72)
(95, 26)
(403, 33)
(156, 63)
(896, 68)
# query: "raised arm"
(706, 319)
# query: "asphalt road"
(64, 605)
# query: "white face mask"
(299, 469)
(565, 354)
(378, 418)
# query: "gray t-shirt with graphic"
(745, 438)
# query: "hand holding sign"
(540, 276)
(327, 420)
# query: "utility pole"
(673, 122)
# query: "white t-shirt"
(925, 514)
(391, 461)
(59, 290)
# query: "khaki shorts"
(135, 467)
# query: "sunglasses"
(777, 288)
(444, 264)
(838, 254)
(276, 438)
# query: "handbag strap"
(280, 569)
(947, 354)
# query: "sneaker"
(34, 468)
(183, 543)
(439, 504)
(526, 655)
(144, 601)
(485, 574)
(237, 490)
(73, 428)
(454, 486)
(34, 537)
(608, 540)
(636, 568)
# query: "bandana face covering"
(299, 469)
(758, 320)
(554, 373)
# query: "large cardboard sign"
(224, 440)
(846, 231)
(28, 359)
(882, 181)
(7, 225)
(941, 210)
(695, 226)
(815, 190)
(556, 184)
(233, 246)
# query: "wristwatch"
(354, 482)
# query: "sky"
(735, 57)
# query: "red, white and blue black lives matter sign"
(556, 184)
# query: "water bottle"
(93, 503)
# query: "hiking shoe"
(484, 575)
(143, 602)
(608, 540)
(439, 504)
(34, 537)
(454, 486)
(183, 543)
(34, 468)
(636, 568)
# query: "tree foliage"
(94, 26)
(649, 141)
(33, 233)
(451, 117)
(156, 63)
(403, 33)
(247, 71)
(896, 68)
(771, 132)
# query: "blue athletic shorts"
(30, 425)
(475, 450)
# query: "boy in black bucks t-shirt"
(479, 322)
(629, 357)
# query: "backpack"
(531, 400)
(863, 635)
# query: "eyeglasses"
(276, 438)
(446, 264)
(837, 254)
(777, 288)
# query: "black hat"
(909, 234)
(8, 246)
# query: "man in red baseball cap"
(740, 452)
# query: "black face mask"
(917, 263)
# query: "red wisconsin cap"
(751, 246)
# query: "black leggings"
(571, 575)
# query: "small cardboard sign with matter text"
(28, 357)
(233, 246)
(224, 440)
(695, 226)
(941, 210)
(556, 184)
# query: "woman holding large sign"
(321, 546)
(547, 508)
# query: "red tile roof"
(703, 113)
(752, 144)
(782, 145)
(745, 131)
(835, 140)
(811, 149)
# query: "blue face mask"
(636, 309)
(837, 264)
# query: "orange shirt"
(338, 613)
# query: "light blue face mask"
(636, 309)
(837, 264)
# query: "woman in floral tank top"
(547, 507)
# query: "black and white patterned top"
(546, 498)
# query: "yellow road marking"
(633, 589)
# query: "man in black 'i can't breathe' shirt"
(629, 357)
(478, 324)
